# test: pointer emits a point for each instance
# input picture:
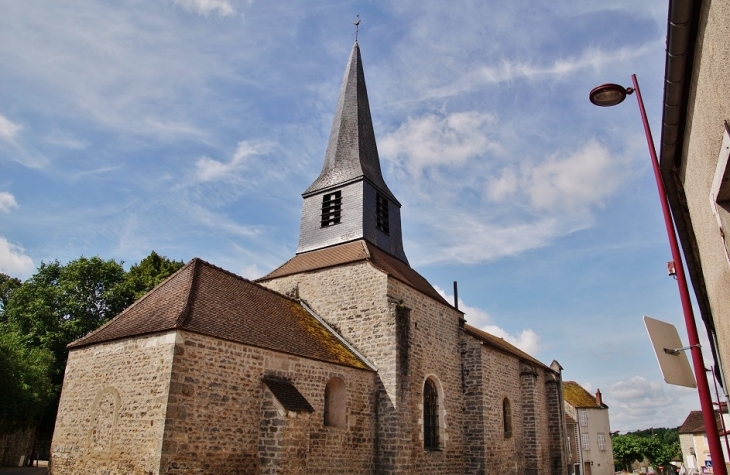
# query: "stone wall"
(222, 419)
(15, 445)
(409, 336)
(112, 410)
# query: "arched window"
(335, 403)
(430, 415)
(507, 418)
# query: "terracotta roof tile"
(576, 396)
(695, 424)
(205, 299)
(501, 344)
(356, 251)
(288, 396)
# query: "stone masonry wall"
(222, 419)
(434, 347)
(112, 410)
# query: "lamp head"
(607, 95)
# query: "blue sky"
(191, 127)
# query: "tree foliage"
(7, 285)
(57, 305)
(658, 446)
(26, 387)
(150, 272)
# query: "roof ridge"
(195, 262)
(523, 355)
(253, 282)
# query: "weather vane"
(357, 26)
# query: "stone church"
(342, 360)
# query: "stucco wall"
(112, 410)
(708, 108)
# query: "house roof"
(695, 424)
(351, 252)
(352, 153)
(502, 345)
(575, 395)
(206, 299)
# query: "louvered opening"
(331, 209)
(381, 213)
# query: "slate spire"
(351, 152)
(350, 201)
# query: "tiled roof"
(576, 396)
(352, 153)
(205, 299)
(695, 424)
(288, 396)
(501, 344)
(351, 252)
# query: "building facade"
(342, 360)
(695, 144)
(589, 431)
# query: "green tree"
(61, 303)
(659, 452)
(7, 285)
(26, 387)
(627, 449)
(150, 272)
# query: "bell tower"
(350, 200)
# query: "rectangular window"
(601, 441)
(586, 442)
(381, 214)
(583, 416)
(331, 208)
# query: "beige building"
(693, 442)
(342, 360)
(588, 431)
(695, 143)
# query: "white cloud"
(7, 202)
(638, 403)
(205, 7)
(208, 169)
(526, 340)
(432, 140)
(13, 260)
(8, 129)
(577, 181)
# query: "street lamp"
(609, 95)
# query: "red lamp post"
(608, 95)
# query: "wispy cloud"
(13, 260)
(205, 7)
(431, 139)
(576, 180)
(591, 58)
(7, 202)
(8, 128)
(526, 340)
(640, 402)
(208, 169)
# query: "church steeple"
(350, 200)
(351, 152)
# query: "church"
(343, 360)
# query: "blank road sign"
(675, 367)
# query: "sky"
(191, 128)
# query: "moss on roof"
(576, 396)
